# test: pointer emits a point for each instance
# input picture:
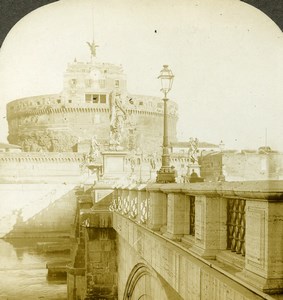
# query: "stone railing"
(131, 202)
(235, 224)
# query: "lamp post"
(166, 174)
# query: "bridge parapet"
(231, 223)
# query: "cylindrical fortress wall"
(43, 123)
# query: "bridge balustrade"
(131, 202)
(233, 223)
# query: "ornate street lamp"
(166, 174)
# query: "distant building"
(242, 166)
(181, 156)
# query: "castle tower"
(83, 109)
(92, 82)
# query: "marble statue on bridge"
(118, 116)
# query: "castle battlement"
(38, 157)
(47, 104)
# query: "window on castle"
(58, 101)
(95, 98)
(70, 101)
(102, 83)
(88, 82)
(117, 83)
(88, 98)
(102, 98)
(141, 103)
(73, 82)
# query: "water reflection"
(23, 272)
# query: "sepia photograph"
(141, 149)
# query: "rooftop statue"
(92, 47)
(193, 150)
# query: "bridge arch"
(144, 284)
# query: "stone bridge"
(179, 241)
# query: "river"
(23, 273)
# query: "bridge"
(208, 240)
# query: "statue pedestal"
(195, 169)
(94, 173)
(166, 175)
(113, 165)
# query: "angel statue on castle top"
(92, 47)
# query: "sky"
(227, 58)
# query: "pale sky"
(227, 58)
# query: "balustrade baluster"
(192, 215)
(236, 225)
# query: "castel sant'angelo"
(94, 104)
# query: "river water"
(23, 273)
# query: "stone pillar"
(210, 226)
(178, 206)
(75, 283)
(264, 251)
(157, 208)
(100, 254)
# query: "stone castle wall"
(44, 123)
